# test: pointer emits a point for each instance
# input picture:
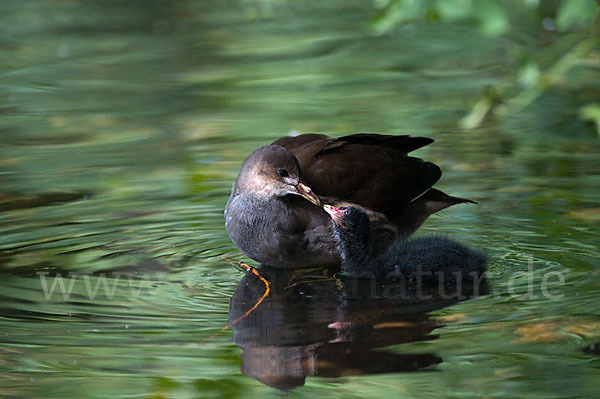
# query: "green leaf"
(492, 17)
(398, 12)
(591, 112)
(573, 13)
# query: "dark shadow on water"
(593, 349)
(314, 324)
(16, 201)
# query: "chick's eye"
(282, 172)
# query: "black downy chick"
(430, 257)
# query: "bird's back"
(433, 256)
(372, 170)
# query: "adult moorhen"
(429, 258)
(274, 215)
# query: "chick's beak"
(334, 212)
(307, 192)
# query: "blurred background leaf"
(551, 72)
(576, 13)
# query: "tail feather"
(436, 200)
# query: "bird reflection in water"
(313, 323)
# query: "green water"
(123, 126)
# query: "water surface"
(123, 127)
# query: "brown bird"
(274, 215)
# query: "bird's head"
(352, 233)
(274, 171)
(349, 220)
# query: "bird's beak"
(307, 192)
(334, 212)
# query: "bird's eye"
(345, 210)
(282, 172)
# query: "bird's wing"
(404, 143)
(292, 143)
(369, 169)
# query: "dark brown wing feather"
(405, 143)
(370, 169)
(292, 143)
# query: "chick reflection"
(312, 324)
